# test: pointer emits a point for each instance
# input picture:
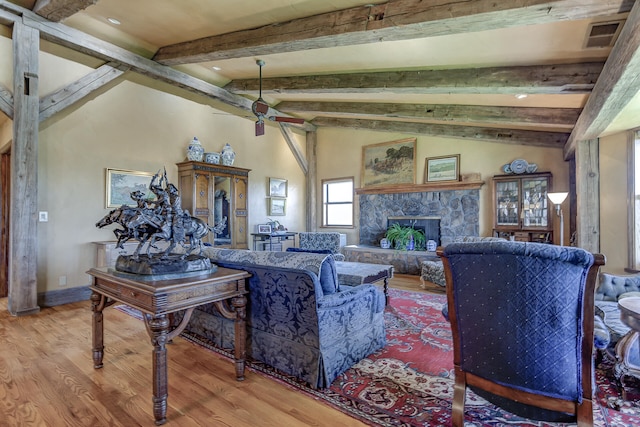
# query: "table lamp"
(557, 199)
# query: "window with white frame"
(337, 202)
(634, 196)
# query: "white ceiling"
(147, 25)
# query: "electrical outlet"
(43, 216)
(62, 281)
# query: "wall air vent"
(603, 34)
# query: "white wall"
(613, 202)
(132, 125)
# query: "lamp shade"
(557, 198)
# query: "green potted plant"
(405, 238)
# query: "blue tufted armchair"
(523, 327)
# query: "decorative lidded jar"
(195, 151)
(228, 155)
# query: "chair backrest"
(320, 241)
(522, 320)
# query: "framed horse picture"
(121, 183)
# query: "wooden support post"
(24, 166)
(588, 195)
(312, 175)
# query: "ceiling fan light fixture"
(260, 109)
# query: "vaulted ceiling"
(545, 73)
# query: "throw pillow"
(329, 276)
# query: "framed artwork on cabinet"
(277, 206)
(263, 229)
(121, 183)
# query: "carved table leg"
(240, 353)
(97, 305)
(386, 291)
(159, 328)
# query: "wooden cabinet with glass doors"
(217, 194)
(521, 209)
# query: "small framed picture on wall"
(277, 207)
(277, 187)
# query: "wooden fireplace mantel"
(421, 188)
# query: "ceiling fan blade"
(287, 119)
(259, 128)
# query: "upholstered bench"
(358, 273)
(432, 271)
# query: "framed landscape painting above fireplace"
(389, 163)
(444, 168)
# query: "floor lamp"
(557, 199)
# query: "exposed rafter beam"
(507, 136)
(393, 20)
(6, 101)
(506, 116)
(293, 146)
(538, 79)
(81, 88)
(620, 82)
(82, 42)
(58, 10)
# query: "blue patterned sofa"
(299, 319)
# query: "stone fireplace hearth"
(458, 211)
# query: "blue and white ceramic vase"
(431, 245)
(195, 151)
(228, 155)
(385, 243)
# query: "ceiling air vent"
(603, 34)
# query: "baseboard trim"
(64, 296)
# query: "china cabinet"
(521, 210)
(217, 194)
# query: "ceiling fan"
(260, 108)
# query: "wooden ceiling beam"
(58, 10)
(6, 101)
(535, 79)
(393, 20)
(506, 116)
(505, 136)
(620, 82)
(81, 42)
(57, 101)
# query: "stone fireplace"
(458, 212)
(429, 225)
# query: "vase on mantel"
(195, 151)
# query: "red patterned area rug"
(410, 381)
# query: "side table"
(156, 299)
(627, 349)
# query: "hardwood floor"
(48, 379)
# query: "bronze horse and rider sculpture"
(153, 220)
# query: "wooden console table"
(156, 300)
(273, 240)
